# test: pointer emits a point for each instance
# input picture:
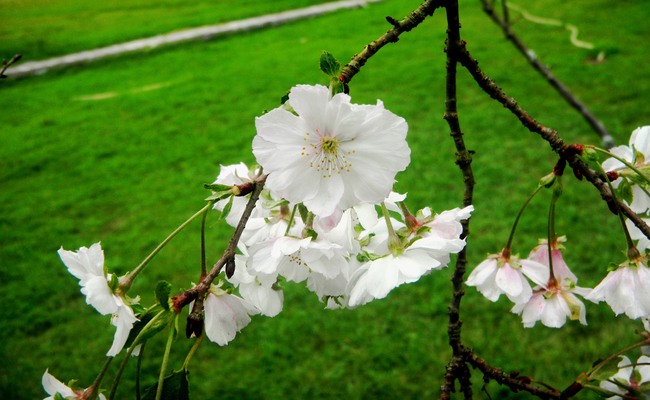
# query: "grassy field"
(44, 28)
(118, 152)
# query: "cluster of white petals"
(506, 274)
(626, 289)
(87, 264)
(551, 300)
(555, 301)
(630, 381)
(638, 155)
(345, 258)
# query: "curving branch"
(569, 152)
(563, 90)
(409, 22)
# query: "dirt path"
(200, 33)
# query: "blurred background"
(117, 151)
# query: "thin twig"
(563, 90)
(409, 22)
(196, 293)
(514, 381)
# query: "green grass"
(45, 28)
(128, 169)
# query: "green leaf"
(175, 387)
(217, 187)
(605, 371)
(216, 196)
(304, 212)
(163, 288)
(227, 207)
(336, 86)
(330, 65)
(164, 317)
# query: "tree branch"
(457, 369)
(409, 22)
(197, 293)
(596, 125)
(568, 152)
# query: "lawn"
(118, 151)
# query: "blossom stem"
(91, 392)
(195, 346)
(165, 361)
(203, 218)
(293, 215)
(393, 241)
(632, 251)
(557, 192)
(138, 369)
(126, 281)
(617, 354)
(136, 341)
(521, 212)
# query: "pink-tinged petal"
(225, 315)
(509, 281)
(536, 272)
(555, 312)
(532, 310)
(486, 269)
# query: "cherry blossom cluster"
(626, 289)
(537, 294)
(543, 288)
(327, 217)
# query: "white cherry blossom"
(225, 315)
(330, 154)
(626, 289)
(506, 274)
(87, 264)
(637, 154)
(555, 301)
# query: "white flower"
(637, 154)
(225, 315)
(626, 289)
(376, 278)
(628, 381)
(332, 154)
(554, 301)
(231, 175)
(506, 274)
(257, 289)
(53, 386)
(87, 264)
(643, 243)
